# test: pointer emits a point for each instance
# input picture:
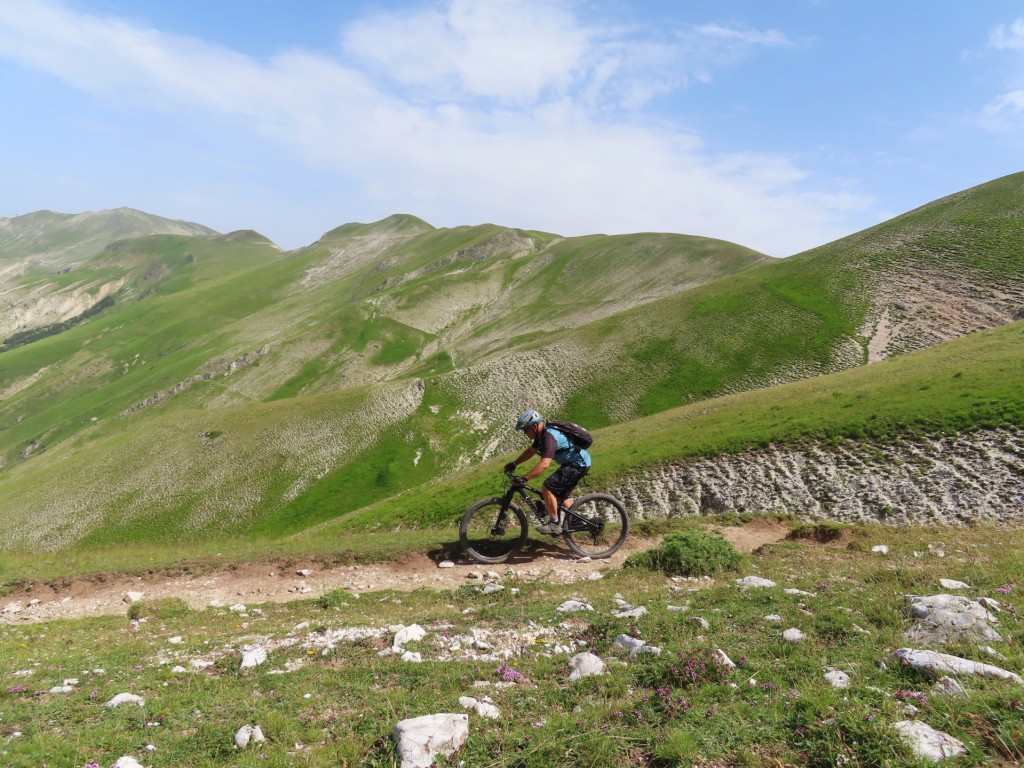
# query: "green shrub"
(822, 532)
(689, 553)
(334, 599)
(164, 608)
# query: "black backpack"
(577, 435)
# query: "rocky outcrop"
(965, 478)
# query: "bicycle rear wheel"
(596, 525)
(491, 535)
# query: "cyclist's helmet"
(528, 419)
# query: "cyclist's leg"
(560, 485)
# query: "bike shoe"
(553, 528)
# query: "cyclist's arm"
(542, 465)
(526, 455)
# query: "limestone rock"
(419, 740)
(953, 584)
(483, 707)
(934, 663)
(585, 665)
(943, 619)
(133, 597)
(838, 679)
(574, 606)
(793, 635)
(928, 743)
(721, 658)
(253, 658)
(126, 698)
(411, 634)
(248, 733)
(127, 762)
(755, 581)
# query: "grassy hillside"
(233, 387)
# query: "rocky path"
(265, 583)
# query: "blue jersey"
(552, 444)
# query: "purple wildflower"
(1005, 589)
(17, 689)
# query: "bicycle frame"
(572, 521)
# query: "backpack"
(577, 435)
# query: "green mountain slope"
(234, 387)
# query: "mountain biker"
(551, 445)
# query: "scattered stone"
(755, 581)
(304, 573)
(677, 608)
(62, 689)
(702, 623)
(420, 740)
(910, 710)
(953, 584)
(585, 665)
(793, 635)
(933, 663)
(635, 646)
(126, 698)
(200, 664)
(248, 733)
(12, 608)
(446, 564)
(928, 743)
(238, 608)
(947, 686)
(938, 549)
(945, 619)
(414, 657)
(881, 549)
(411, 634)
(574, 606)
(774, 618)
(483, 707)
(595, 576)
(802, 593)
(127, 762)
(838, 679)
(253, 658)
(176, 640)
(632, 613)
(178, 669)
(133, 597)
(491, 588)
(721, 658)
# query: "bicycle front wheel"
(596, 525)
(490, 534)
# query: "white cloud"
(1009, 37)
(465, 112)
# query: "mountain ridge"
(391, 353)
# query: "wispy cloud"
(458, 111)
(1008, 36)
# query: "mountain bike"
(492, 530)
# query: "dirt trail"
(254, 583)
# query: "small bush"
(334, 599)
(690, 553)
(823, 532)
(164, 608)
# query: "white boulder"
(574, 606)
(793, 635)
(934, 663)
(253, 658)
(719, 656)
(838, 679)
(585, 665)
(419, 740)
(127, 762)
(132, 597)
(411, 634)
(928, 743)
(482, 707)
(754, 581)
(248, 733)
(953, 584)
(126, 698)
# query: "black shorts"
(565, 478)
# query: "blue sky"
(779, 125)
